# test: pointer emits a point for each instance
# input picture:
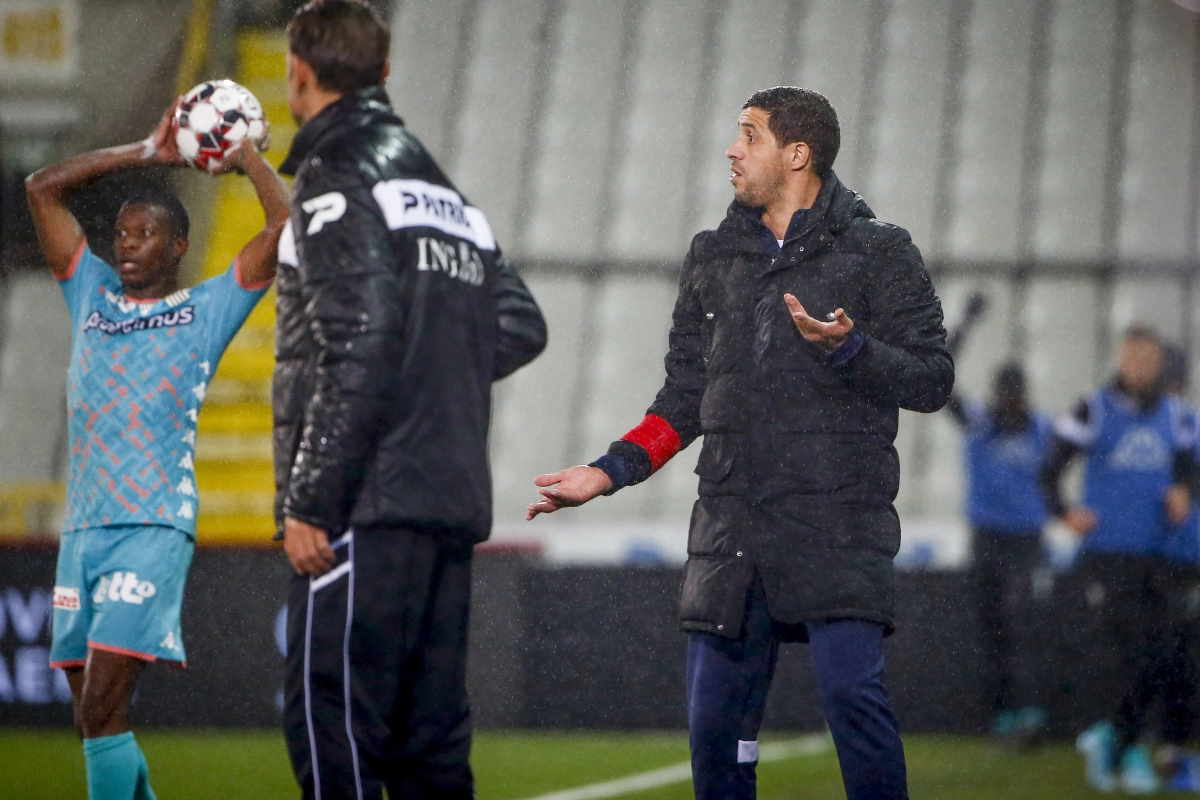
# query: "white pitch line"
(677, 773)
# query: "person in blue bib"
(143, 350)
(1005, 443)
(1174, 674)
(1140, 463)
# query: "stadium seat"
(1066, 361)
(1068, 223)
(907, 114)
(1157, 182)
(650, 186)
(567, 187)
(764, 28)
(33, 413)
(989, 139)
(840, 73)
(493, 135)
(1156, 302)
(427, 50)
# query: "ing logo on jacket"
(461, 262)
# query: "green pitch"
(512, 766)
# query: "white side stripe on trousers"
(314, 586)
(346, 664)
(678, 773)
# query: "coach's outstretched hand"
(828, 336)
(571, 487)
(307, 547)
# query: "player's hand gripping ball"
(214, 118)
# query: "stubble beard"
(759, 193)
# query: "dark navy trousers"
(728, 681)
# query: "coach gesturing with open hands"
(802, 326)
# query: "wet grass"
(36, 764)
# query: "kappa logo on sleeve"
(66, 598)
(325, 208)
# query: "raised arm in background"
(976, 306)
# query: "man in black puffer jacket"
(396, 312)
(803, 325)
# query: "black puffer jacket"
(396, 312)
(798, 472)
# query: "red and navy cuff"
(640, 453)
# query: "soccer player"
(142, 353)
(1140, 463)
(803, 325)
(1006, 443)
(396, 314)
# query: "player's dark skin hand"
(307, 547)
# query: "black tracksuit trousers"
(1001, 572)
(375, 692)
(1129, 612)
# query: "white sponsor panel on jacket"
(420, 204)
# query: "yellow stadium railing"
(31, 509)
(233, 448)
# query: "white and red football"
(212, 119)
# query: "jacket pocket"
(713, 595)
(716, 457)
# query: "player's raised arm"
(256, 262)
(58, 232)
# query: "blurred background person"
(1174, 673)
(1005, 444)
(1139, 465)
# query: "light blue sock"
(116, 768)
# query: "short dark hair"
(166, 202)
(346, 42)
(801, 115)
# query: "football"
(212, 119)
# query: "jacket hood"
(372, 100)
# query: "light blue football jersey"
(138, 376)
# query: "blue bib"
(1129, 469)
(1003, 492)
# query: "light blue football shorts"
(120, 589)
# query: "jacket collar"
(834, 208)
(371, 99)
